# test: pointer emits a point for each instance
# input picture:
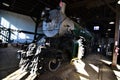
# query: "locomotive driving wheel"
(54, 64)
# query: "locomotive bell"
(59, 24)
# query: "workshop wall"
(13, 23)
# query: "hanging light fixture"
(6, 4)
(118, 2)
(112, 22)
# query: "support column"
(36, 26)
(9, 36)
(37, 21)
(116, 43)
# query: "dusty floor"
(92, 67)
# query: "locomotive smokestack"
(62, 6)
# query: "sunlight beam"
(107, 62)
(95, 68)
(79, 66)
(31, 77)
(117, 73)
(17, 75)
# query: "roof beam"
(108, 4)
(89, 3)
(46, 4)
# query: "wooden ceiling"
(90, 12)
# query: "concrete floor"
(93, 67)
(8, 61)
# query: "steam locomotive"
(64, 39)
